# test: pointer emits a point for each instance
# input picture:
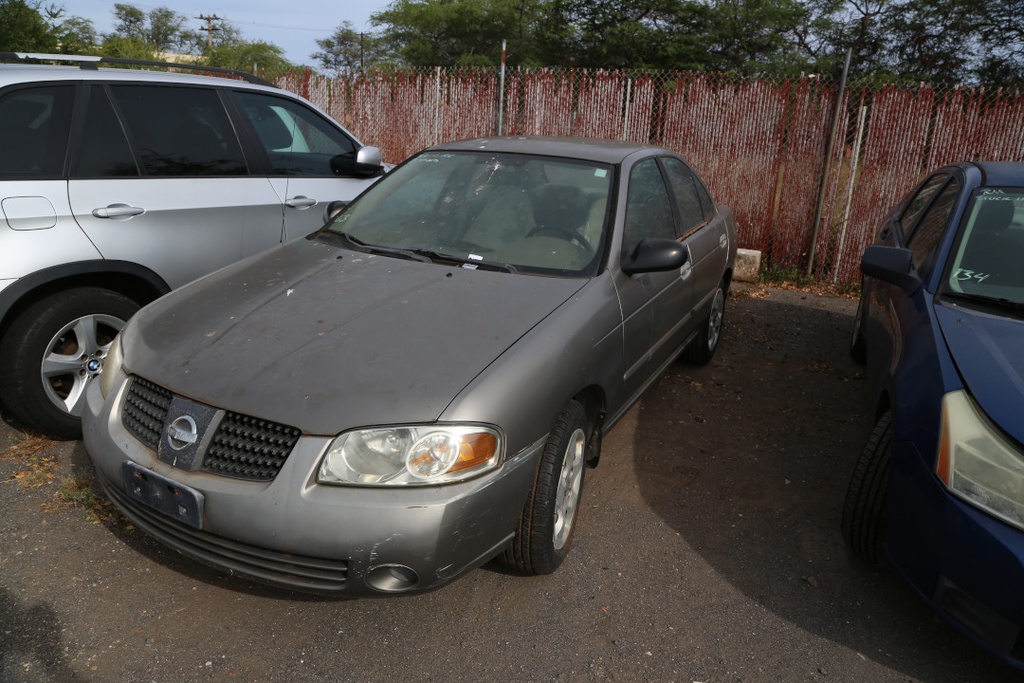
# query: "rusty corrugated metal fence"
(758, 144)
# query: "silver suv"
(118, 185)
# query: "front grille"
(297, 572)
(144, 411)
(242, 447)
(249, 448)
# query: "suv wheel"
(53, 350)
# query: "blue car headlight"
(979, 464)
(411, 455)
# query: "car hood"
(325, 339)
(987, 351)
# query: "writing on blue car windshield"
(988, 260)
(520, 213)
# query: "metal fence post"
(827, 161)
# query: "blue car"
(939, 489)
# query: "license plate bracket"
(177, 501)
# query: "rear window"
(34, 127)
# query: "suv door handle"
(118, 211)
(300, 202)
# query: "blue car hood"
(325, 339)
(989, 353)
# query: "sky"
(292, 25)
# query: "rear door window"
(179, 131)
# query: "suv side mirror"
(366, 163)
(655, 255)
(894, 265)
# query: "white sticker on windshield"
(600, 172)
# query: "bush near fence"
(759, 144)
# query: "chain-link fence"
(760, 145)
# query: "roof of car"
(604, 151)
(72, 67)
(1002, 173)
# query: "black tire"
(864, 508)
(858, 347)
(702, 347)
(73, 329)
(548, 523)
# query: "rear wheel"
(54, 350)
(702, 347)
(864, 508)
(546, 527)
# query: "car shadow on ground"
(747, 459)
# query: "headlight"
(111, 366)
(409, 456)
(978, 463)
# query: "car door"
(158, 178)
(310, 160)
(893, 313)
(654, 305)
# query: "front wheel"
(53, 350)
(545, 530)
(702, 347)
(864, 508)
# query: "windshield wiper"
(412, 255)
(989, 301)
(434, 255)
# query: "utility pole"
(210, 28)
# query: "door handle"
(300, 202)
(118, 211)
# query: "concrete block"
(748, 265)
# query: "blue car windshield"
(989, 259)
(528, 214)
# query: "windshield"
(522, 213)
(989, 259)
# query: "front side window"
(684, 188)
(535, 214)
(34, 128)
(932, 225)
(648, 208)
(179, 131)
(297, 140)
(919, 202)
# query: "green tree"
(23, 28)
(347, 50)
(459, 32)
(256, 56)
(76, 36)
(162, 29)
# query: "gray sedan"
(418, 387)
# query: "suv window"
(103, 151)
(297, 140)
(179, 131)
(34, 127)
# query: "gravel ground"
(708, 549)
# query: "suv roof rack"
(90, 62)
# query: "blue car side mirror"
(894, 265)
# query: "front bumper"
(294, 533)
(968, 565)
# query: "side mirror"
(333, 209)
(894, 265)
(655, 255)
(365, 164)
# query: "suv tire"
(53, 350)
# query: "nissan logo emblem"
(182, 433)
